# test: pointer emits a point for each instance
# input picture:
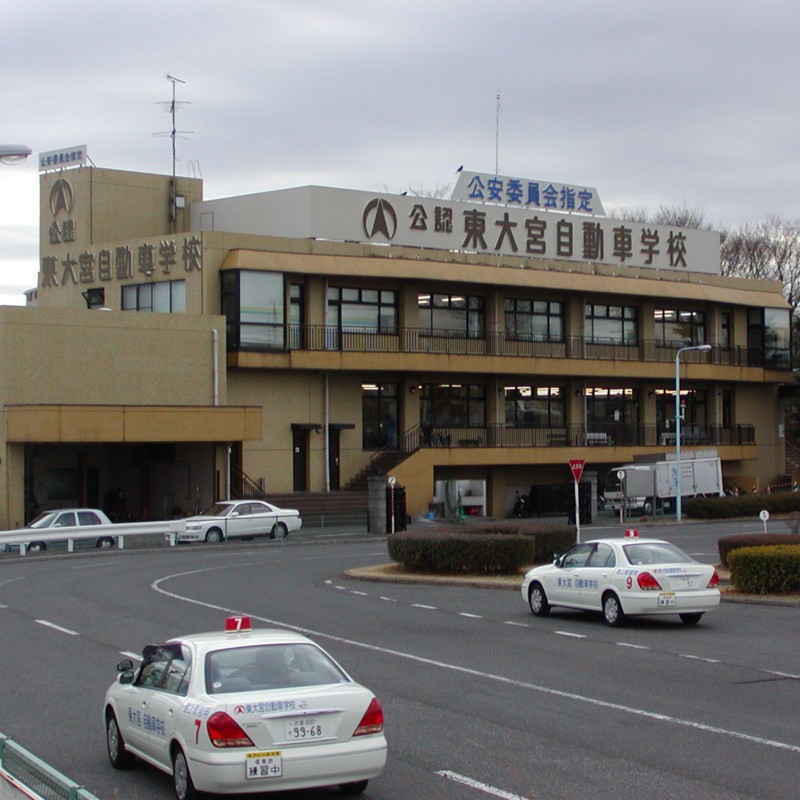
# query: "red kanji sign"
(577, 465)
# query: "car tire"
(537, 600)
(279, 531)
(119, 757)
(35, 547)
(612, 610)
(214, 535)
(104, 543)
(692, 618)
(181, 778)
(357, 787)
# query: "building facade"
(296, 339)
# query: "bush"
(766, 570)
(746, 505)
(728, 543)
(500, 549)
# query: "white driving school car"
(245, 711)
(241, 519)
(623, 577)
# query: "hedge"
(766, 570)
(746, 505)
(729, 543)
(501, 549)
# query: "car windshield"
(219, 510)
(44, 520)
(648, 553)
(274, 666)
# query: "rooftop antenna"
(497, 136)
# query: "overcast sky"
(653, 102)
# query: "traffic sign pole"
(576, 465)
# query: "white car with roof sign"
(624, 577)
(241, 519)
(245, 711)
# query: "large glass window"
(452, 314)
(610, 407)
(452, 405)
(609, 324)
(165, 297)
(769, 337)
(535, 406)
(380, 408)
(534, 320)
(254, 305)
(362, 309)
(674, 326)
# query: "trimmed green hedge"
(729, 543)
(766, 570)
(746, 505)
(502, 549)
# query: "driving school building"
(176, 349)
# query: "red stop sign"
(577, 465)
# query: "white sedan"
(623, 577)
(244, 711)
(65, 520)
(241, 519)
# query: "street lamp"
(678, 416)
(14, 153)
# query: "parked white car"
(241, 519)
(66, 519)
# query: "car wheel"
(691, 619)
(119, 757)
(181, 779)
(279, 531)
(537, 599)
(612, 610)
(104, 543)
(35, 547)
(356, 787)
(214, 535)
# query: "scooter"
(520, 510)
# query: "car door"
(239, 522)
(593, 578)
(562, 585)
(264, 518)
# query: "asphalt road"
(481, 699)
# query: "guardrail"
(24, 775)
(22, 536)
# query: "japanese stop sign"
(577, 465)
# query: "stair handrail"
(250, 490)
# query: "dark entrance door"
(333, 457)
(299, 460)
(379, 415)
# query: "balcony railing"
(575, 435)
(447, 342)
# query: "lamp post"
(678, 416)
(14, 153)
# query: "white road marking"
(571, 635)
(632, 646)
(57, 627)
(427, 608)
(128, 654)
(482, 787)
(517, 624)
(388, 599)
(698, 658)
(360, 594)
(577, 698)
(471, 616)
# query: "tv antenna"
(172, 107)
(497, 136)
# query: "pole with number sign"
(576, 465)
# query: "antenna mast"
(173, 110)
(497, 136)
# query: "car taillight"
(647, 582)
(372, 721)
(226, 732)
(714, 581)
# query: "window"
(254, 307)
(452, 405)
(611, 406)
(373, 310)
(768, 337)
(166, 297)
(452, 314)
(297, 315)
(166, 667)
(534, 320)
(680, 327)
(535, 406)
(606, 324)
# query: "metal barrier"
(23, 776)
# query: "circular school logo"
(379, 217)
(61, 197)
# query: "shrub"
(746, 505)
(728, 543)
(491, 549)
(766, 570)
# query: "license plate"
(684, 583)
(264, 765)
(304, 728)
(666, 599)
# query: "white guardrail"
(119, 530)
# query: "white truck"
(650, 486)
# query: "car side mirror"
(126, 677)
(558, 559)
(126, 665)
(234, 513)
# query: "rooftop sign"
(61, 159)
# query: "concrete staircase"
(343, 510)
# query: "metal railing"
(498, 343)
(37, 777)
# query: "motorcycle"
(521, 508)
